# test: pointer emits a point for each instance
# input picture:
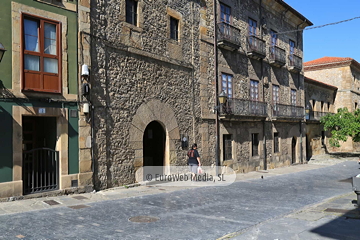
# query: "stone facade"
(141, 76)
(319, 101)
(343, 73)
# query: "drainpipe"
(217, 130)
(299, 78)
(262, 80)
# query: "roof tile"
(325, 60)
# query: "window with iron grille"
(41, 55)
(227, 142)
(276, 142)
(255, 144)
(226, 84)
(174, 28)
(131, 11)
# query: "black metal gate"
(40, 170)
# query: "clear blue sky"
(341, 40)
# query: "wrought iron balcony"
(315, 115)
(256, 47)
(241, 107)
(295, 63)
(277, 56)
(288, 111)
(228, 37)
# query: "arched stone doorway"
(154, 144)
(293, 150)
(161, 113)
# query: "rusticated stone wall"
(140, 75)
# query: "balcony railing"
(228, 36)
(243, 107)
(295, 63)
(277, 56)
(288, 111)
(256, 47)
(315, 115)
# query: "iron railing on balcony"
(288, 111)
(277, 55)
(228, 35)
(256, 45)
(315, 115)
(243, 107)
(295, 62)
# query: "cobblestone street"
(287, 203)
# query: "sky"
(341, 40)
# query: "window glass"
(254, 90)
(50, 39)
(226, 84)
(174, 26)
(293, 97)
(31, 35)
(131, 11)
(292, 47)
(227, 139)
(276, 142)
(225, 13)
(274, 37)
(252, 27)
(32, 62)
(255, 144)
(50, 65)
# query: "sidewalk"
(79, 200)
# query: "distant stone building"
(153, 84)
(319, 101)
(343, 73)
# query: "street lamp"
(222, 97)
(307, 112)
(2, 51)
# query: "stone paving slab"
(260, 208)
(123, 192)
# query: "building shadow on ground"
(347, 226)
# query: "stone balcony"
(242, 107)
(256, 47)
(228, 37)
(288, 111)
(277, 56)
(294, 63)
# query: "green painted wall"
(6, 33)
(73, 142)
(6, 157)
